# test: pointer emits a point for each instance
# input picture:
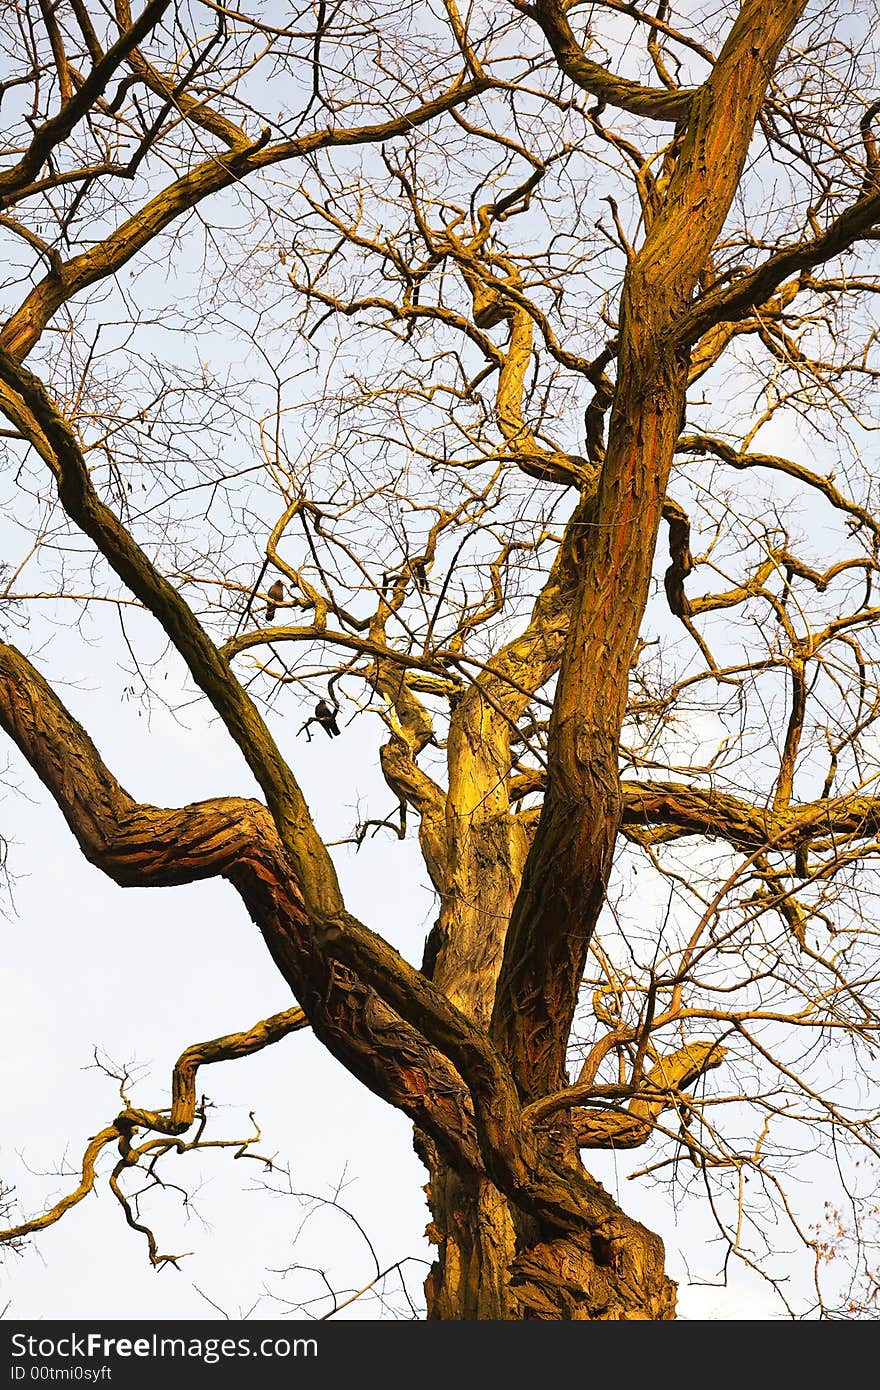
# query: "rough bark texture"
(613, 1275)
(473, 1047)
(616, 1270)
(574, 842)
(492, 1262)
(476, 1239)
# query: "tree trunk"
(473, 1230)
(493, 1265)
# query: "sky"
(135, 976)
(140, 974)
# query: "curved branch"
(365, 1002)
(136, 844)
(734, 301)
(680, 809)
(709, 444)
(226, 1049)
(657, 102)
(617, 1129)
(24, 327)
(745, 824)
(609, 1129)
(93, 1152)
(181, 1116)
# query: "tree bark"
(474, 1232)
(493, 1265)
(474, 1048)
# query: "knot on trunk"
(612, 1273)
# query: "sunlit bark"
(505, 698)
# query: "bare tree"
(515, 291)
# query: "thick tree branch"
(731, 302)
(549, 933)
(689, 810)
(630, 1129)
(487, 845)
(656, 102)
(375, 1045)
(147, 846)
